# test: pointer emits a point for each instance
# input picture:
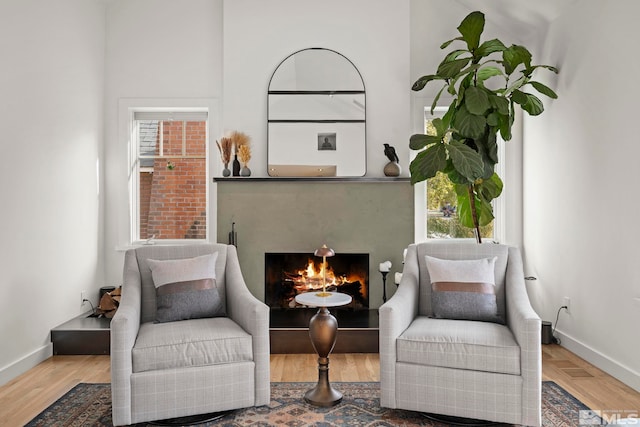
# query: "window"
(436, 201)
(170, 175)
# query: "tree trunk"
(474, 213)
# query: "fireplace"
(288, 274)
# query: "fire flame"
(310, 278)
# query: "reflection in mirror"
(316, 117)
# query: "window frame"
(420, 188)
(129, 236)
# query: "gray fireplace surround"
(351, 216)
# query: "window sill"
(141, 243)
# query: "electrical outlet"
(566, 301)
(83, 296)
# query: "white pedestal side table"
(323, 328)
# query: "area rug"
(90, 405)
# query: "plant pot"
(392, 169)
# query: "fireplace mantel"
(237, 179)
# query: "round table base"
(323, 395)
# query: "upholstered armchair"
(436, 357)
(216, 359)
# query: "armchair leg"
(459, 421)
(191, 419)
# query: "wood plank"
(26, 396)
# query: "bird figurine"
(390, 152)
(393, 167)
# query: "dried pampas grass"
(239, 139)
(225, 146)
(244, 154)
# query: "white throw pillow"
(186, 288)
(463, 289)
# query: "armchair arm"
(395, 316)
(124, 330)
(253, 316)
(525, 324)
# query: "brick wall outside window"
(173, 202)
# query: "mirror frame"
(320, 170)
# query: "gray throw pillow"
(463, 289)
(186, 288)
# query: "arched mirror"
(316, 117)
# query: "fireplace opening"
(288, 274)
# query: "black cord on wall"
(556, 340)
(93, 310)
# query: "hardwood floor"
(26, 396)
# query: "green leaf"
(486, 147)
(529, 103)
(428, 162)
(471, 28)
(487, 72)
(484, 211)
(548, 67)
(454, 54)
(505, 127)
(467, 124)
(453, 174)
(489, 47)
(466, 160)
(419, 141)
(447, 43)
(476, 100)
(450, 69)
(491, 188)
(465, 214)
(434, 104)
(447, 119)
(545, 90)
(492, 147)
(440, 127)
(517, 84)
(422, 81)
(515, 55)
(500, 103)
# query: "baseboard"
(22, 365)
(610, 366)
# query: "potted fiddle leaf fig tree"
(486, 81)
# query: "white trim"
(25, 363)
(419, 211)
(607, 364)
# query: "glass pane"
(196, 135)
(148, 138)
(172, 198)
(172, 138)
(442, 216)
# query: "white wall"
(51, 92)
(258, 35)
(158, 52)
(581, 203)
